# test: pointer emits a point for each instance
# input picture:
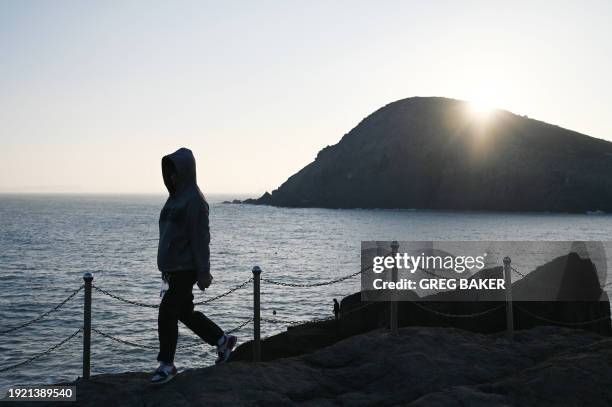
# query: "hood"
(183, 164)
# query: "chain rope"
(306, 321)
(344, 314)
(451, 315)
(306, 285)
(41, 316)
(552, 321)
(298, 322)
(231, 290)
(33, 358)
(518, 272)
(123, 341)
(118, 298)
(239, 327)
(142, 304)
(524, 275)
(139, 345)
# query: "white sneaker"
(163, 374)
(225, 349)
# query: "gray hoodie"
(184, 235)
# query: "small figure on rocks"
(336, 309)
(183, 257)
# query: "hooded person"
(183, 257)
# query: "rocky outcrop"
(563, 292)
(265, 199)
(433, 153)
(419, 367)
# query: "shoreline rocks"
(421, 366)
(574, 296)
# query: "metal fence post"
(256, 315)
(508, 284)
(88, 278)
(393, 315)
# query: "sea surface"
(47, 242)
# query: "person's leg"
(167, 321)
(195, 320)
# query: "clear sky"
(92, 94)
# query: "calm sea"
(48, 241)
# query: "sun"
(480, 107)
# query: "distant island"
(435, 153)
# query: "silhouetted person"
(336, 309)
(183, 257)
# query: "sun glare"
(480, 107)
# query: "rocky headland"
(435, 153)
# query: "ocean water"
(47, 242)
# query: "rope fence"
(256, 319)
(41, 316)
(602, 286)
(451, 315)
(145, 305)
(156, 347)
(319, 284)
(39, 355)
(518, 272)
(123, 341)
(297, 322)
(567, 323)
(304, 285)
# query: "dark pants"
(177, 305)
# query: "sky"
(93, 94)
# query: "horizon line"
(115, 193)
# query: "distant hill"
(435, 153)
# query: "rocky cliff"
(435, 153)
(419, 367)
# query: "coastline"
(429, 366)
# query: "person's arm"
(200, 241)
